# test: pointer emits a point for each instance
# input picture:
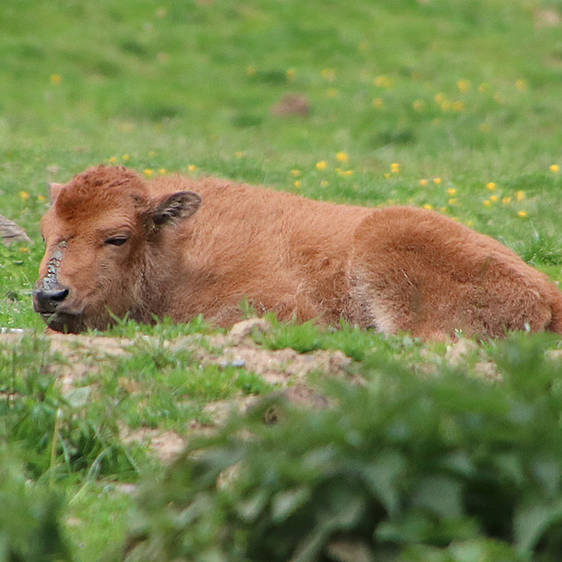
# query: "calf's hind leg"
(417, 271)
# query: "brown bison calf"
(118, 245)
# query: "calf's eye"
(117, 240)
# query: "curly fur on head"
(97, 186)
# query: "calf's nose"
(47, 300)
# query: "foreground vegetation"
(425, 451)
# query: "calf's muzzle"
(46, 300)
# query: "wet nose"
(47, 300)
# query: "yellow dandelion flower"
(240, 154)
(487, 203)
(113, 159)
(437, 181)
(162, 171)
(324, 183)
(329, 74)
(491, 186)
(494, 198)
(55, 79)
(555, 168)
(506, 200)
(423, 182)
(484, 87)
(418, 105)
(458, 106)
(192, 168)
(41, 198)
(24, 195)
(383, 81)
(295, 173)
(428, 206)
(452, 191)
(347, 173)
(469, 223)
(395, 167)
(251, 70)
(332, 93)
(521, 85)
(297, 183)
(446, 105)
(148, 172)
(322, 165)
(464, 85)
(522, 213)
(520, 195)
(453, 201)
(125, 157)
(443, 209)
(24, 249)
(378, 103)
(387, 175)
(440, 97)
(291, 74)
(484, 127)
(342, 157)
(151, 154)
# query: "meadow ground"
(445, 104)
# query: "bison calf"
(118, 245)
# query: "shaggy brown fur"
(119, 245)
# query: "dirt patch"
(166, 445)
(84, 356)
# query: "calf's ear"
(175, 207)
(54, 190)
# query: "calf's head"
(104, 243)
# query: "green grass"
(467, 92)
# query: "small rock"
(234, 363)
(10, 232)
(242, 330)
(4, 330)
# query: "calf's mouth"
(65, 322)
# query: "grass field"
(446, 104)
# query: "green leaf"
(342, 519)
(286, 503)
(548, 472)
(439, 494)
(531, 522)
(251, 508)
(78, 397)
(382, 477)
(482, 550)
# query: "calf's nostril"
(58, 295)
(47, 300)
